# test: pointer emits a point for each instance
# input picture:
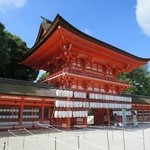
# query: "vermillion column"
(85, 121)
(50, 114)
(42, 112)
(108, 116)
(68, 120)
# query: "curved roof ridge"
(58, 21)
(99, 41)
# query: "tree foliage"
(139, 80)
(11, 49)
(43, 76)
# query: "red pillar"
(142, 113)
(68, 123)
(108, 116)
(51, 115)
(42, 112)
(85, 121)
(68, 120)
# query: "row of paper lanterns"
(64, 93)
(119, 113)
(8, 123)
(80, 94)
(109, 105)
(16, 116)
(8, 117)
(70, 114)
(17, 110)
(75, 94)
(30, 116)
(110, 97)
(9, 110)
(81, 104)
(27, 122)
(76, 104)
(15, 123)
(31, 110)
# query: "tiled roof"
(139, 99)
(19, 87)
(59, 21)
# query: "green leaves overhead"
(12, 48)
(139, 80)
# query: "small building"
(24, 104)
(83, 71)
(141, 106)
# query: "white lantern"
(57, 103)
(87, 104)
(59, 114)
(63, 114)
(71, 104)
(71, 94)
(77, 113)
(57, 92)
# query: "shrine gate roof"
(53, 35)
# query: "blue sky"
(121, 23)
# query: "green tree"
(43, 76)
(139, 80)
(4, 56)
(11, 49)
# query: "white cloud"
(8, 4)
(143, 15)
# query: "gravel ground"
(91, 138)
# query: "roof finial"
(46, 20)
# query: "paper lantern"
(71, 94)
(57, 103)
(71, 104)
(63, 114)
(74, 113)
(57, 92)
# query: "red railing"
(84, 74)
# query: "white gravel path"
(91, 138)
